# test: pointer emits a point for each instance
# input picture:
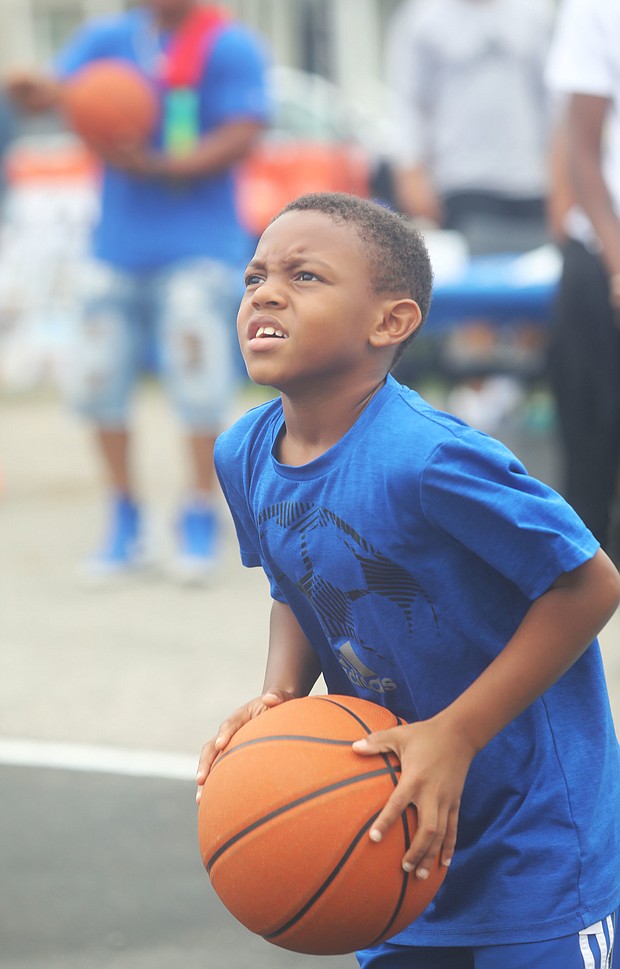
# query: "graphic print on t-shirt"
(360, 597)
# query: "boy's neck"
(315, 422)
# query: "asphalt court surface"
(102, 871)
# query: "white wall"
(30, 28)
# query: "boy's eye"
(305, 276)
(253, 280)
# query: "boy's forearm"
(556, 630)
(292, 665)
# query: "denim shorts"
(592, 948)
(179, 320)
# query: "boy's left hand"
(434, 764)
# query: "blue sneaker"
(122, 550)
(198, 535)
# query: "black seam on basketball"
(396, 913)
(329, 699)
(356, 779)
(386, 759)
(406, 833)
(330, 741)
(405, 880)
(330, 878)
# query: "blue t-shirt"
(146, 223)
(409, 553)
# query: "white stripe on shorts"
(586, 952)
(605, 949)
(611, 929)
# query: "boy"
(414, 562)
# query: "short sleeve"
(483, 497)
(245, 527)
(93, 41)
(237, 71)
(579, 60)
(411, 92)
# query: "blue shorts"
(592, 948)
(183, 316)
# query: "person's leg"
(196, 325)
(113, 444)
(98, 385)
(592, 948)
(584, 368)
(390, 956)
(201, 454)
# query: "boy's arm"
(292, 670)
(292, 665)
(436, 754)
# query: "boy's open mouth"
(270, 331)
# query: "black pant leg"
(585, 379)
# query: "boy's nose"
(268, 294)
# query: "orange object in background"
(60, 159)
(278, 172)
(109, 102)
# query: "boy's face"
(309, 304)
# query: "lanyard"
(178, 71)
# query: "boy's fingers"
(397, 803)
(382, 742)
(205, 761)
(435, 837)
(226, 731)
(424, 849)
(449, 841)
(375, 743)
(209, 754)
(271, 700)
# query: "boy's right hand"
(230, 726)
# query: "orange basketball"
(283, 830)
(109, 102)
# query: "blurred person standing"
(468, 83)
(8, 131)
(584, 69)
(165, 250)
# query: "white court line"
(99, 760)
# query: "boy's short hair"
(396, 251)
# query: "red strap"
(192, 45)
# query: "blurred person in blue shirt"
(165, 249)
(8, 130)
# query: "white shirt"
(585, 59)
(469, 94)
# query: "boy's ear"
(401, 318)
